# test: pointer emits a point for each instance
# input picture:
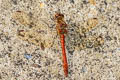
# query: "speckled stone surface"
(30, 47)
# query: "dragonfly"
(61, 29)
(37, 29)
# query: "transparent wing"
(37, 32)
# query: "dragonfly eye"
(61, 15)
(58, 15)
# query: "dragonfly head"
(59, 16)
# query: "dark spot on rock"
(9, 48)
(7, 38)
(30, 15)
(0, 77)
(104, 26)
(115, 38)
(95, 18)
(19, 33)
(83, 30)
(30, 36)
(38, 75)
(47, 63)
(118, 8)
(118, 24)
(72, 29)
(36, 40)
(71, 52)
(116, 19)
(31, 25)
(19, 62)
(14, 2)
(92, 78)
(39, 66)
(85, 2)
(89, 45)
(105, 2)
(108, 38)
(98, 49)
(72, 1)
(19, 11)
(42, 46)
(83, 69)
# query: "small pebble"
(27, 56)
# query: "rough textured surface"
(30, 48)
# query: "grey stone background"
(30, 46)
